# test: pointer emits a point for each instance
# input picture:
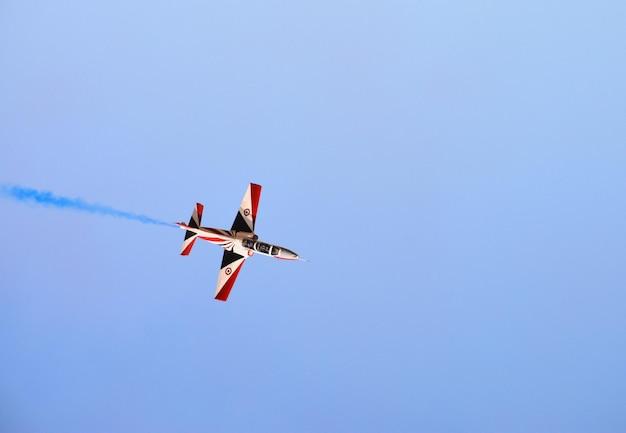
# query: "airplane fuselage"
(243, 243)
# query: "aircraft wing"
(246, 215)
(231, 265)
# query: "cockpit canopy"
(261, 247)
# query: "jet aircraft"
(239, 243)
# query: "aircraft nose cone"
(289, 255)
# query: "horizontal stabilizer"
(194, 222)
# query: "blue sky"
(454, 171)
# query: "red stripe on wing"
(255, 196)
(225, 291)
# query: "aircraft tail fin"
(194, 222)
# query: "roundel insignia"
(228, 271)
(246, 212)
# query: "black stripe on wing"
(230, 257)
(240, 224)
